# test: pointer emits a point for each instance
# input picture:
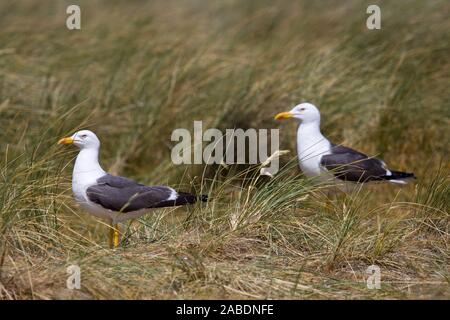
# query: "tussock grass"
(137, 70)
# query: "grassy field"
(138, 70)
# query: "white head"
(305, 112)
(83, 139)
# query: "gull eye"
(302, 109)
(84, 136)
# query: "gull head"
(83, 139)
(305, 112)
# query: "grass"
(138, 70)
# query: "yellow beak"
(68, 140)
(283, 115)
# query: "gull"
(115, 198)
(325, 161)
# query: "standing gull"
(111, 197)
(318, 157)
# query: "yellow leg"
(111, 237)
(114, 236)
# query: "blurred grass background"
(138, 69)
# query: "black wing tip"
(203, 198)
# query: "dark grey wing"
(350, 165)
(125, 195)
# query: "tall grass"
(138, 70)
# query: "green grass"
(137, 70)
